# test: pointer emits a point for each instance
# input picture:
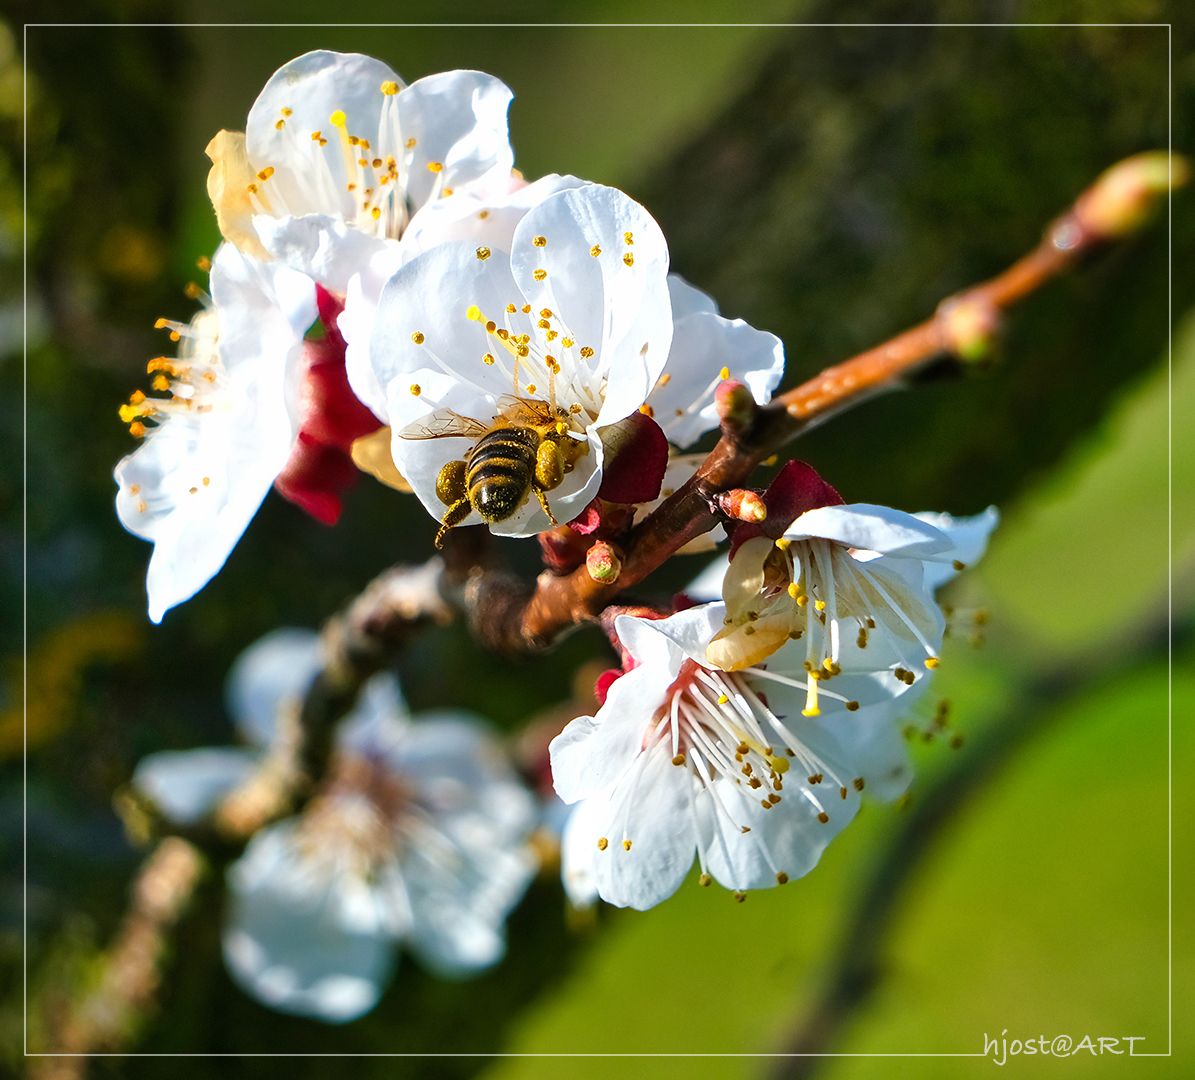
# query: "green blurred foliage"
(831, 184)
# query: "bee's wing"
(521, 410)
(445, 423)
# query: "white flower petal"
(278, 666)
(186, 784)
(324, 247)
(703, 344)
(296, 940)
(969, 536)
(871, 528)
(651, 808)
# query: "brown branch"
(1112, 207)
(103, 1018)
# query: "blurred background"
(830, 183)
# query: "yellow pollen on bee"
(603, 843)
(435, 166)
(416, 389)
(338, 119)
(539, 275)
(595, 251)
(626, 845)
(540, 241)
(389, 88)
(586, 352)
(418, 338)
(629, 259)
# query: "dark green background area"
(828, 183)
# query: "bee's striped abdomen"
(500, 470)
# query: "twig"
(130, 971)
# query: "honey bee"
(525, 449)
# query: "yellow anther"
(135, 489)
(142, 506)
(511, 308)
(595, 251)
(491, 327)
(794, 590)
(724, 374)
(779, 764)
(784, 543)
(629, 259)
(704, 880)
(543, 324)
(587, 352)
(161, 383)
(852, 706)
(539, 275)
(722, 699)
(377, 212)
(193, 491)
(418, 338)
(338, 119)
(959, 565)
(318, 137)
(603, 843)
(483, 214)
(647, 410)
(389, 88)
(820, 605)
(628, 238)
(626, 845)
(473, 313)
(266, 173)
(435, 166)
(411, 144)
(802, 600)
(858, 783)
(531, 388)
(823, 817)
(539, 241)
(488, 358)
(782, 878)
(546, 313)
(416, 389)
(204, 263)
(842, 793)
(279, 125)
(483, 253)
(931, 662)
(526, 311)
(567, 342)
(207, 480)
(504, 334)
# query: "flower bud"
(1123, 197)
(603, 564)
(742, 505)
(734, 403)
(969, 325)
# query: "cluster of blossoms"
(392, 297)
(419, 835)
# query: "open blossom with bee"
(417, 836)
(505, 372)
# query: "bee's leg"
(456, 513)
(549, 465)
(543, 501)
